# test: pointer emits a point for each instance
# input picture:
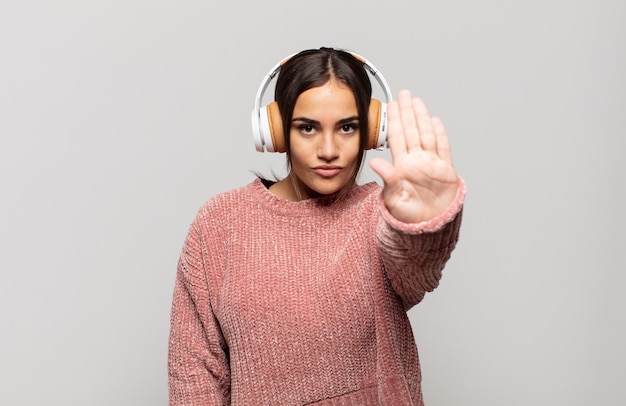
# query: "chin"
(318, 186)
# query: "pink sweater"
(283, 303)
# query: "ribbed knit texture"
(284, 303)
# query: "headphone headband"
(261, 124)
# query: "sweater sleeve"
(414, 255)
(198, 368)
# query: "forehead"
(331, 99)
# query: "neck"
(289, 188)
(296, 186)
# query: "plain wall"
(119, 118)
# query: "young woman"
(295, 292)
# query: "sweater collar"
(312, 206)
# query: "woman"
(295, 292)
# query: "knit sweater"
(302, 303)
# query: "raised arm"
(415, 254)
(422, 200)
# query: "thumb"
(384, 169)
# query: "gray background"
(119, 118)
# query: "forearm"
(414, 255)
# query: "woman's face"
(324, 139)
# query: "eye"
(349, 128)
(306, 129)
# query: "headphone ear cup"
(270, 129)
(275, 127)
(377, 117)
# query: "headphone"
(267, 128)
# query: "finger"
(428, 140)
(443, 143)
(395, 137)
(409, 123)
(385, 170)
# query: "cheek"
(293, 156)
(297, 160)
(352, 149)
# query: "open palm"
(420, 182)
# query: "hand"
(421, 181)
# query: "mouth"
(327, 171)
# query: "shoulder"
(358, 207)
(370, 190)
(225, 200)
(227, 204)
(367, 194)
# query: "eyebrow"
(310, 121)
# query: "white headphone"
(267, 127)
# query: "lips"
(327, 171)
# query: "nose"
(328, 148)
